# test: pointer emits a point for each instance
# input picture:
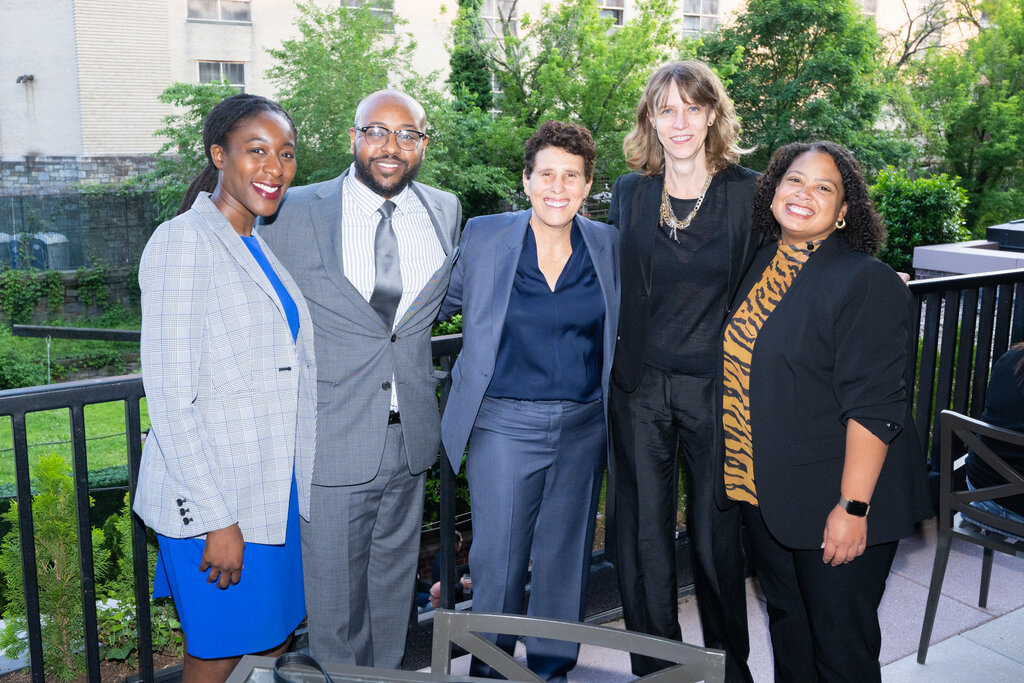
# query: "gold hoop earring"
(840, 224)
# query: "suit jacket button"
(386, 386)
(181, 501)
(394, 338)
(186, 520)
(890, 426)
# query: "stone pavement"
(969, 644)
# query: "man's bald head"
(392, 97)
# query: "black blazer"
(635, 204)
(833, 349)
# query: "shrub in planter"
(60, 585)
(917, 212)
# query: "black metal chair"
(692, 663)
(998, 533)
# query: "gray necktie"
(387, 281)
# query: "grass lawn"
(49, 432)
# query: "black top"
(689, 290)
(551, 343)
(1004, 407)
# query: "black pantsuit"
(665, 415)
(655, 414)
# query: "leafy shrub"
(918, 212)
(19, 292)
(118, 622)
(60, 585)
(92, 286)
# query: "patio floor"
(968, 643)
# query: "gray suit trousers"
(359, 550)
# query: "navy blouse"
(551, 343)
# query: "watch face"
(857, 508)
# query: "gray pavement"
(969, 644)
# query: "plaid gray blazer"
(232, 401)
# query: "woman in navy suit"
(820, 447)
(538, 291)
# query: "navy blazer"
(480, 288)
(833, 349)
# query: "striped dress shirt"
(419, 251)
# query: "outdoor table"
(254, 669)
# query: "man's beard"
(365, 176)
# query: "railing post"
(87, 572)
(140, 560)
(448, 496)
(27, 534)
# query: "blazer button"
(186, 520)
(182, 511)
(386, 386)
(394, 338)
(890, 426)
(181, 501)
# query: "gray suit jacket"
(357, 355)
(232, 399)
(480, 288)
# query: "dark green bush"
(917, 212)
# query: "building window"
(614, 9)
(384, 9)
(869, 7)
(215, 72)
(700, 16)
(495, 13)
(220, 10)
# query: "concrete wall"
(42, 116)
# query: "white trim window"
(495, 13)
(700, 16)
(220, 10)
(215, 72)
(385, 9)
(616, 9)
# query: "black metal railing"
(964, 323)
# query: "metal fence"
(67, 231)
(964, 323)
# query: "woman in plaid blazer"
(228, 366)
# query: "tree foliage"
(468, 60)
(809, 70)
(181, 157)
(917, 212)
(974, 101)
(340, 55)
(571, 64)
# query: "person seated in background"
(1004, 407)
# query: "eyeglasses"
(377, 136)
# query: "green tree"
(571, 64)
(181, 157)
(339, 56)
(810, 70)
(974, 101)
(917, 212)
(468, 60)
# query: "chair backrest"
(958, 431)
(692, 663)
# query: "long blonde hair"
(698, 84)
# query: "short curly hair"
(571, 137)
(864, 229)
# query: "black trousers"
(668, 413)
(823, 620)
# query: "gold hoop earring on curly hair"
(840, 224)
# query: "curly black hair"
(219, 124)
(864, 229)
(571, 137)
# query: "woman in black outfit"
(685, 223)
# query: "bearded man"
(372, 252)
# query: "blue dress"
(268, 603)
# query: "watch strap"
(857, 508)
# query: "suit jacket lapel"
(646, 204)
(597, 249)
(326, 214)
(507, 252)
(433, 210)
(232, 241)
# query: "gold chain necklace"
(668, 217)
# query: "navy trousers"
(534, 470)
